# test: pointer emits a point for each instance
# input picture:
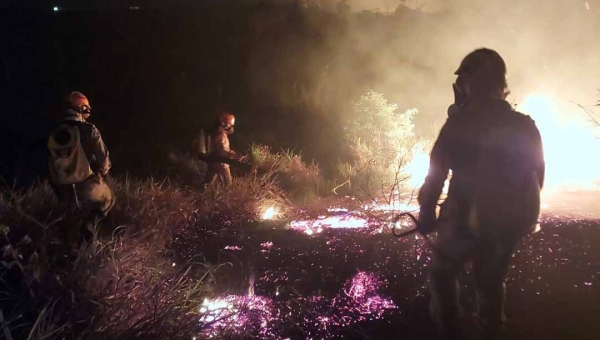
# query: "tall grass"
(301, 181)
(123, 284)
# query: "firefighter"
(218, 145)
(78, 163)
(497, 163)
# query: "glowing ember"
(348, 221)
(243, 315)
(216, 309)
(232, 248)
(266, 246)
(362, 289)
(337, 209)
(395, 206)
(270, 213)
(362, 284)
(235, 314)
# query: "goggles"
(83, 109)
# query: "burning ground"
(343, 275)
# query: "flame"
(570, 147)
(418, 167)
(270, 213)
(348, 221)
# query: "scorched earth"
(343, 275)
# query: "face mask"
(461, 91)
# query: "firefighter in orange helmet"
(497, 163)
(218, 145)
(78, 163)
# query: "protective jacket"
(78, 162)
(219, 146)
(497, 163)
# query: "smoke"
(409, 50)
(549, 46)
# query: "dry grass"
(302, 182)
(246, 195)
(123, 285)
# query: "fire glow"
(570, 146)
(418, 167)
(363, 291)
(270, 213)
(236, 315)
(345, 221)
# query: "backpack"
(68, 162)
(507, 190)
(202, 143)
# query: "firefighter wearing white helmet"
(218, 145)
(497, 163)
(79, 161)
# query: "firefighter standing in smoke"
(78, 163)
(497, 163)
(218, 145)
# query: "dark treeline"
(289, 72)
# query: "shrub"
(383, 144)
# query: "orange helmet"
(78, 102)
(227, 119)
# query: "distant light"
(134, 7)
(55, 9)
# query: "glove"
(427, 220)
